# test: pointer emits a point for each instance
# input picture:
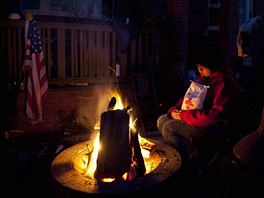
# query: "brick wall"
(179, 10)
(229, 27)
(89, 102)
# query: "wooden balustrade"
(79, 53)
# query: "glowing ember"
(85, 163)
(69, 169)
(90, 159)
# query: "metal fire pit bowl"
(167, 162)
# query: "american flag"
(34, 65)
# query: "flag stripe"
(34, 63)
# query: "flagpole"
(25, 37)
(28, 18)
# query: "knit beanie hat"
(210, 57)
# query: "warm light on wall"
(14, 16)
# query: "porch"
(81, 53)
(80, 60)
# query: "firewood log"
(114, 157)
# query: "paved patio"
(25, 170)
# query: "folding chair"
(146, 100)
(144, 88)
(211, 151)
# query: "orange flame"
(90, 161)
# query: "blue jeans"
(177, 134)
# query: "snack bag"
(194, 96)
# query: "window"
(245, 10)
(30, 5)
(69, 8)
(213, 16)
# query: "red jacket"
(220, 101)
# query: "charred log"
(114, 157)
(138, 161)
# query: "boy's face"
(204, 71)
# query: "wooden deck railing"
(78, 53)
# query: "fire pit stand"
(166, 161)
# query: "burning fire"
(88, 162)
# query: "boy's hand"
(176, 114)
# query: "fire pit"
(68, 170)
(116, 160)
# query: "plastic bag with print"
(194, 96)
